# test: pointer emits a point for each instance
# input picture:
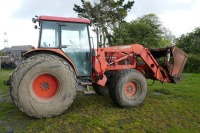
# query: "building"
(12, 56)
(15, 51)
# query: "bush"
(193, 64)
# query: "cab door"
(76, 45)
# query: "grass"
(173, 108)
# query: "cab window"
(49, 36)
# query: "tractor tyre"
(43, 86)
(100, 90)
(128, 89)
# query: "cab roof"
(63, 19)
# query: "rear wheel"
(128, 89)
(43, 86)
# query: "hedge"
(193, 64)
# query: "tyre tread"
(24, 67)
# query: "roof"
(63, 19)
(18, 48)
(4, 50)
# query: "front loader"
(45, 83)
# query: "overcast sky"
(179, 16)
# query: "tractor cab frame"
(69, 36)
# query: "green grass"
(173, 108)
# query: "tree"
(146, 30)
(106, 14)
(190, 42)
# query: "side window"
(70, 38)
(75, 37)
(49, 36)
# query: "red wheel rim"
(45, 86)
(130, 89)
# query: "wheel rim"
(130, 89)
(45, 86)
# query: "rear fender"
(56, 52)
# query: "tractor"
(45, 83)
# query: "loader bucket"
(179, 60)
(175, 64)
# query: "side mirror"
(36, 27)
(34, 20)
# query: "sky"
(179, 16)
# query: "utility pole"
(5, 40)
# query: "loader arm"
(126, 57)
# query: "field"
(173, 108)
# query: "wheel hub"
(45, 86)
(130, 89)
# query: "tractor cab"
(71, 36)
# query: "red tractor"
(45, 83)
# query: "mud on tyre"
(43, 86)
(129, 88)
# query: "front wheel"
(43, 86)
(129, 88)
